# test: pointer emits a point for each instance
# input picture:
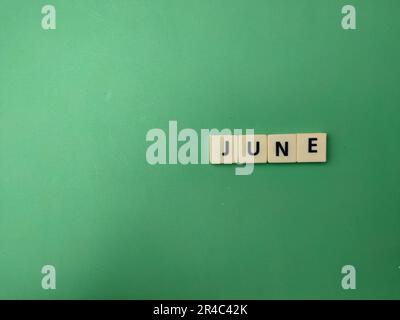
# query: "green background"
(76, 191)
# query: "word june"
(273, 148)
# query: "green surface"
(76, 190)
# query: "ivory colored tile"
(311, 147)
(221, 149)
(251, 148)
(282, 148)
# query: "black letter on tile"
(257, 148)
(311, 145)
(226, 152)
(285, 150)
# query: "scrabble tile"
(251, 148)
(282, 148)
(221, 149)
(311, 147)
